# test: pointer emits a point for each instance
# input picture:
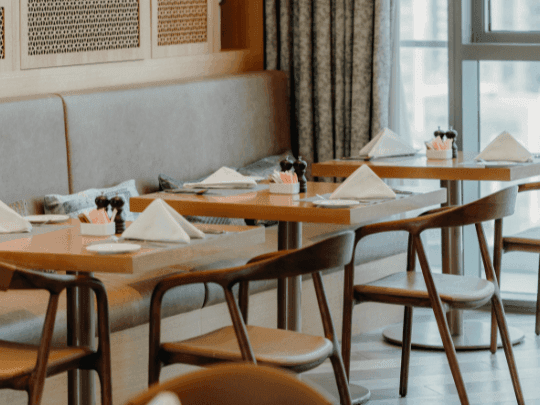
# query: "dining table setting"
(363, 198)
(158, 240)
(503, 159)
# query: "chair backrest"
(492, 207)
(332, 252)
(237, 384)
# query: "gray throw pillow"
(84, 201)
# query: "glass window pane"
(515, 15)
(510, 101)
(424, 78)
(424, 20)
(423, 81)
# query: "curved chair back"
(492, 207)
(237, 384)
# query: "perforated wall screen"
(182, 22)
(67, 26)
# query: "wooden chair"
(282, 348)
(24, 366)
(237, 384)
(439, 291)
(526, 241)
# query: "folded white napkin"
(160, 222)
(165, 398)
(11, 222)
(224, 178)
(386, 143)
(505, 147)
(363, 183)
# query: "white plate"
(113, 248)
(336, 203)
(50, 219)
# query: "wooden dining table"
(62, 247)
(451, 173)
(290, 210)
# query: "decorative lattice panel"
(2, 33)
(182, 22)
(183, 27)
(62, 32)
(63, 26)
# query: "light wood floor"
(375, 365)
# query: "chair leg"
(507, 345)
(106, 385)
(497, 263)
(346, 326)
(450, 353)
(405, 350)
(342, 380)
(537, 325)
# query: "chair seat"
(529, 238)
(278, 347)
(455, 291)
(18, 359)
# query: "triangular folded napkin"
(160, 222)
(363, 183)
(505, 147)
(386, 143)
(11, 222)
(224, 178)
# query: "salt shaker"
(439, 133)
(102, 202)
(286, 164)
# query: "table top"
(419, 167)
(63, 249)
(283, 207)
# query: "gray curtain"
(338, 55)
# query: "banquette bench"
(67, 143)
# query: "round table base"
(425, 335)
(327, 381)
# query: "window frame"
(481, 28)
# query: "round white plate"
(50, 219)
(113, 248)
(336, 203)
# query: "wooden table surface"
(64, 249)
(282, 207)
(419, 167)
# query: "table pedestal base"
(425, 335)
(327, 382)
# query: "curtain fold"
(338, 56)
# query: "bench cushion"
(184, 129)
(33, 156)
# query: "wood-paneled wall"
(240, 31)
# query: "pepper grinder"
(300, 167)
(439, 133)
(286, 164)
(452, 134)
(102, 202)
(118, 204)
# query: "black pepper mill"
(118, 204)
(452, 134)
(102, 202)
(286, 164)
(439, 133)
(300, 167)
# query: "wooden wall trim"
(70, 78)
